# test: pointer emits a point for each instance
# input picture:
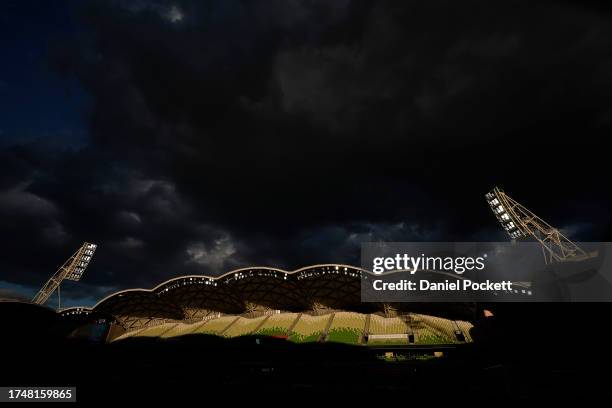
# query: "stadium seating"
(215, 326)
(465, 329)
(181, 329)
(278, 324)
(435, 330)
(156, 331)
(387, 331)
(347, 327)
(342, 327)
(309, 328)
(244, 326)
(387, 325)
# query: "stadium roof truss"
(135, 308)
(252, 291)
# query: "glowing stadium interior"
(315, 303)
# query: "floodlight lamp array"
(82, 261)
(503, 214)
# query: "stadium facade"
(314, 303)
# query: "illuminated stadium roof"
(254, 291)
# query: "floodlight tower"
(72, 269)
(519, 223)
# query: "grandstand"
(308, 328)
(338, 327)
(181, 329)
(244, 326)
(347, 327)
(278, 325)
(216, 326)
(316, 304)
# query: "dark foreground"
(526, 352)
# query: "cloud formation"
(229, 133)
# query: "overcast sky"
(198, 137)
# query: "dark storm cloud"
(227, 133)
(137, 222)
(355, 100)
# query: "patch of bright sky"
(27, 292)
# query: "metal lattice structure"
(250, 292)
(72, 269)
(520, 223)
(136, 308)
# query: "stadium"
(268, 331)
(320, 303)
(251, 329)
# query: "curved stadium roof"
(248, 290)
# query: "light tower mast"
(519, 223)
(72, 269)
